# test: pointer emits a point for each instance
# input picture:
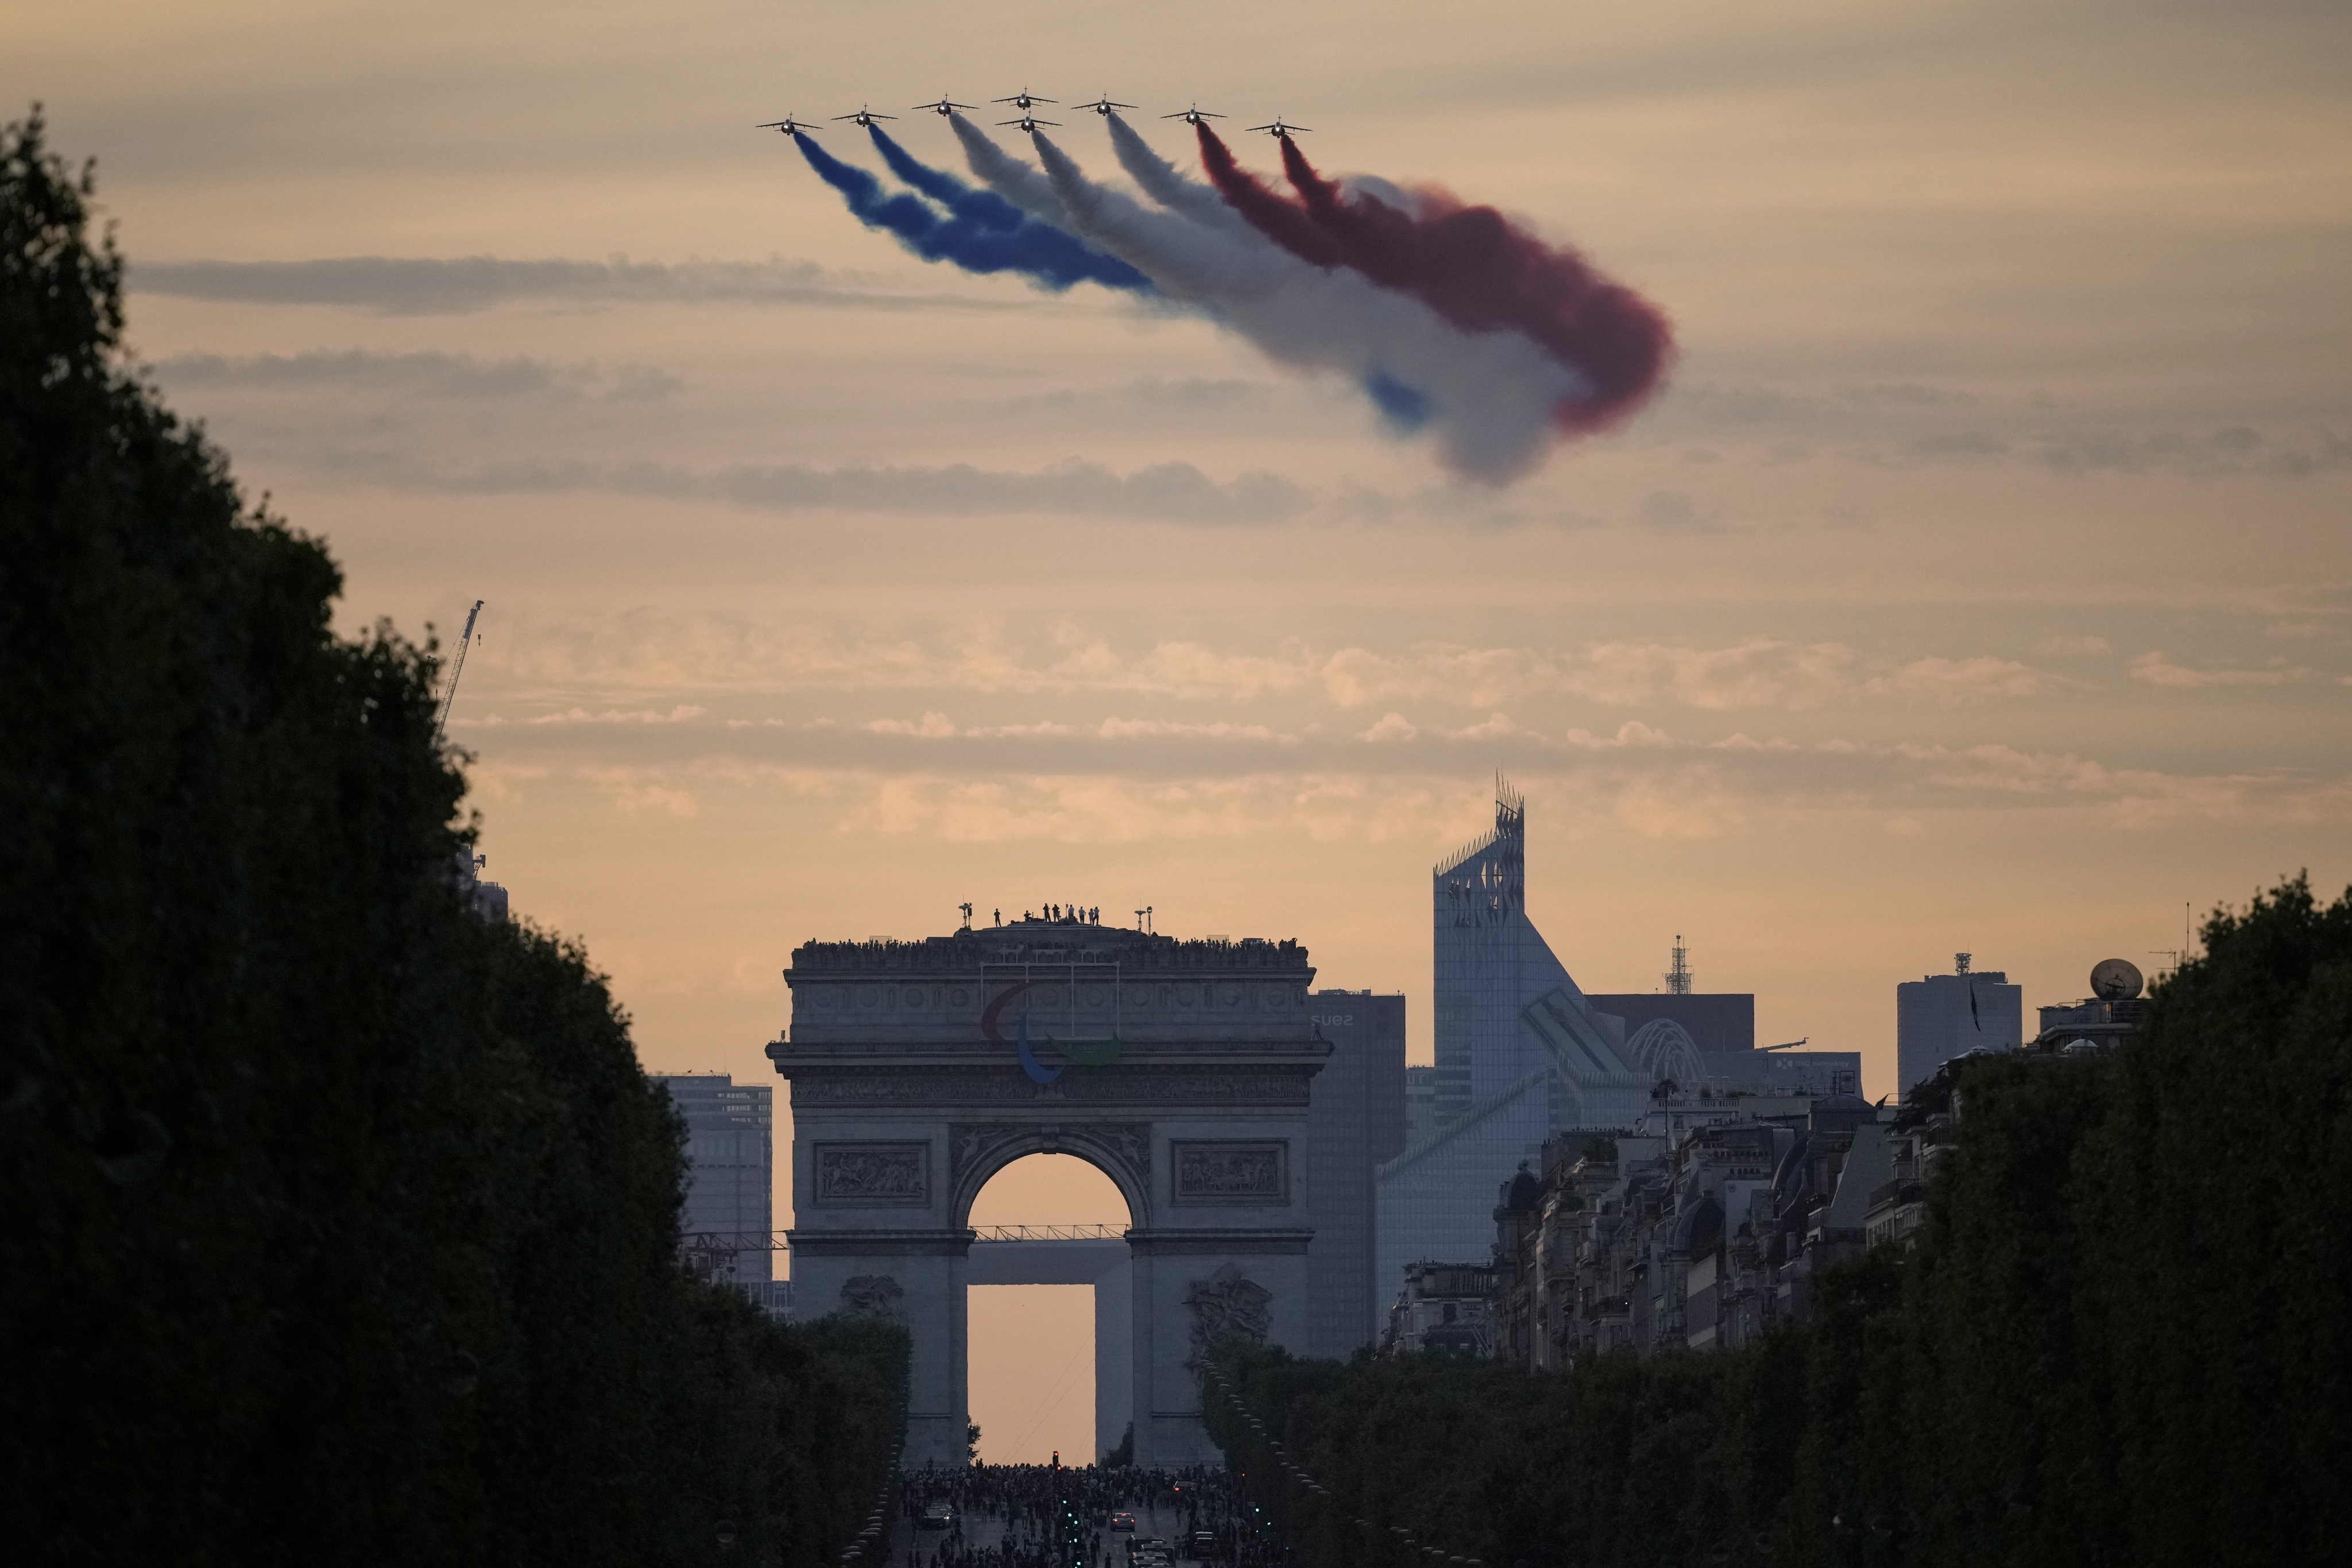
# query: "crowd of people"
(1061, 1516)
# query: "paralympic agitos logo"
(1080, 1052)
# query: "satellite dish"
(2115, 979)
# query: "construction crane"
(456, 668)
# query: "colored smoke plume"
(1486, 398)
(973, 241)
(1470, 265)
(985, 208)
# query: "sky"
(1979, 581)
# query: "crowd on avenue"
(1059, 1516)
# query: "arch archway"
(1049, 1312)
(1121, 1153)
(1184, 1081)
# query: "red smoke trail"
(1472, 267)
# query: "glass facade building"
(730, 1150)
(1521, 1053)
(1355, 1120)
(1938, 1017)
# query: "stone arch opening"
(1052, 1190)
(1121, 1153)
(1049, 1309)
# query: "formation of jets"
(1026, 103)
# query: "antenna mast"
(456, 668)
(1679, 979)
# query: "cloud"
(636, 651)
(433, 374)
(2058, 642)
(423, 286)
(1215, 729)
(1956, 682)
(1170, 491)
(655, 797)
(1633, 732)
(1152, 396)
(1494, 727)
(932, 726)
(1908, 424)
(683, 713)
(2159, 672)
(937, 726)
(1759, 671)
(1389, 726)
(1652, 787)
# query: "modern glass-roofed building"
(1521, 1054)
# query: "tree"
(2122, 1335)
(335, 1223)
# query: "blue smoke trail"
(1038, 251)
(1404, 408)
(985, 208)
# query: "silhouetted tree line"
(337, 1225)
(2120, 1338)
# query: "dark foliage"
(2121, 1338)
(336, 1225)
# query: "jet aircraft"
(1103, 106)
(788, 125)
(944, 105)
(1280, 131)
(865, 116)
(1029, 122)
(1024, 101)
(1193, 116)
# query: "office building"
(1355, 1120)
(1711, 1021)
(1521, 1054)
(1420, 1102)
(731, 1172)
(1940, 1017)
(1706, 1041)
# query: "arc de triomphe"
(1179, 1069)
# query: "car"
(1125, 1522)
(1200, 1545)
(939, 1516)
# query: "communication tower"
(1679, 979)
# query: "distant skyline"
(1980, 580)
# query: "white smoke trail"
(1199, 200)
(1009, 177)
(1165, 183)
(1491, 395)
